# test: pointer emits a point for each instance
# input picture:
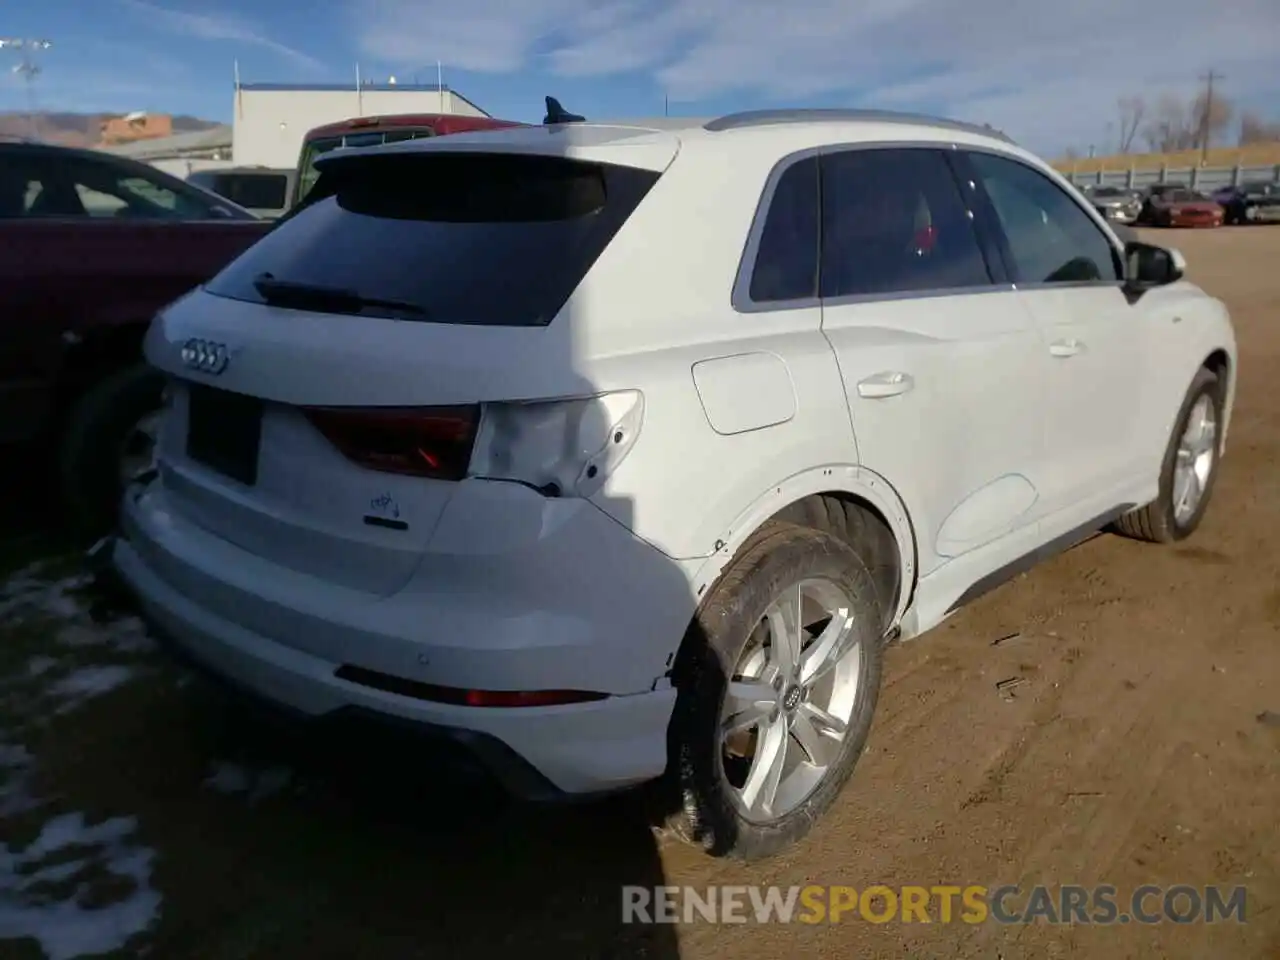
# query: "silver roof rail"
(761, 118)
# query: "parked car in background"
(1115, 203)
(441, 451)
(91, 246)
(371, 131)
(1250, 202)
(262, 191)
(1184, 208)
(1151, 192)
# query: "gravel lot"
(141, 810)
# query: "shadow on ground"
(144, 807)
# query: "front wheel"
(1189, 469)
(778, 681)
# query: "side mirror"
(1147, 266)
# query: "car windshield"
(313, 149)
(498, 240)
(1108, 192)
(1185, 196)
(1262, 189)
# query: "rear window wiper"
(290, 293)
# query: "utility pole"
(1207, 114)
(28, 70)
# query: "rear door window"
(893, 222)
(448, 238)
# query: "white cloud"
(1047, 72)
(203, 26)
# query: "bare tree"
(1253, 129)
(1209, 118)
(1132, 110)
(1169, 128)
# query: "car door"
(941, 366)
(1069, 276)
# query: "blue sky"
(1047, 71)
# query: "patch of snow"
(14, 756)
(26, 592)
(231, 778)
(126, 635)
(40, 665)
(65, 929)
(87, 682)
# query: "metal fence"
(1198, 178)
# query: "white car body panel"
(488, 584)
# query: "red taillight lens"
(432, 442)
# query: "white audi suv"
(611, 452)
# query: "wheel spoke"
(819, 745)
(825, 723)
(828, 649)
(1190, 492)
(785, 628)
(761, 788)
(748, 703)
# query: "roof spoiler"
(558, 114)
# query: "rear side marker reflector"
(460, 697)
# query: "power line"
(1206, 115)
(28, 69)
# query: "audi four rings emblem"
(205, 356)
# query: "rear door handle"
(888, 384)
(1065, 348)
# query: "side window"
(893, 221)
(786, 266)
(102, 190)
(1051, 239)
(20, 189)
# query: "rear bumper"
(281, 637)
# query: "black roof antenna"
(558, 114)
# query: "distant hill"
(81, 129)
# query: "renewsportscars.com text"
(971, 904)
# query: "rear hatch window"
(459, 238)
(317, 148)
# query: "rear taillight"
(433, 442)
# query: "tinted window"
(786, 266)
(254, 191)
(307, 171)
(894, 221)
(461, 238)
(61, 186)
(20, 187)
(1051, 239)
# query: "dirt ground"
(141, 811)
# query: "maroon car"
(1183, 208)
(91, 246)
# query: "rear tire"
(728, 642)
(1162, 521)
(98, 428)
